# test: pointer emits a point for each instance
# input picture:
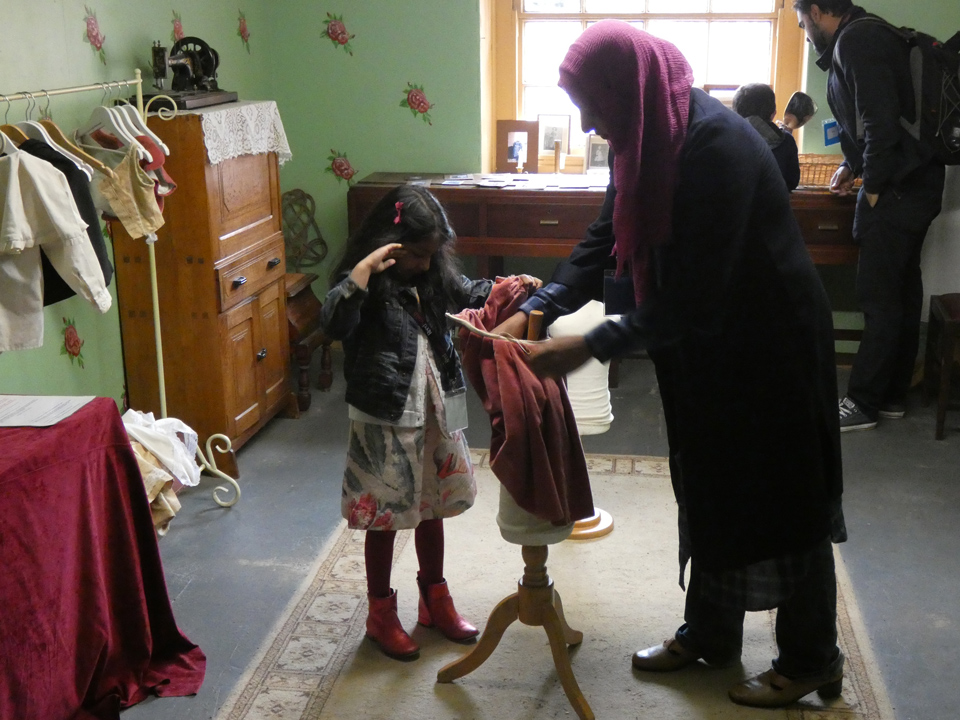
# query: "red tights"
(378, 554)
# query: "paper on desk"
(492, 336)
(38, 410)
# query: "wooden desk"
(492, 223)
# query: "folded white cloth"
(170, 440)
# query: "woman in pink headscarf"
(731, 310)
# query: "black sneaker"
(893, 411)
(853, 418)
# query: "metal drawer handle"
(262, 354)
(273, 263)
(828, 226)
(549, 222)
(239, 281)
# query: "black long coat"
(740, 330)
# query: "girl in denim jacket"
(408, 464)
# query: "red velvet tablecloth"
(86, 626)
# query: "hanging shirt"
(37, 209)
(55, 288)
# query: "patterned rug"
(620, 591)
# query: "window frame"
(505, 47)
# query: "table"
(549, 220)
(86, 626)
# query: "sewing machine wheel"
(208, 58)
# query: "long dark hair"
(422, 218)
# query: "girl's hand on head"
(374, 263)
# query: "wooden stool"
(535, 603)
(943, 343)
(303, 321)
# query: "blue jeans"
(806, 626)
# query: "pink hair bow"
(399, 207)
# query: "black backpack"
(935, 72)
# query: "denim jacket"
(380, 344)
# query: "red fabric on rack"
(86, 626)
(535, 448)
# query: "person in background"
(800, 110)
(757, 103)
(869, 89)
(733, 314)
(408, 464)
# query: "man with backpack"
(871, 94)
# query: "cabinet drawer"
(539, 221)
(253, 269)
(826, 226)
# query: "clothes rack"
(219, 442)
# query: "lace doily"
(243, 128)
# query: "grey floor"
(231, 572)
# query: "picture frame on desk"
(596, 155)
(510, 157)
(553, 128)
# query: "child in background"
(800, 109)
(757, 103)
(408, 465)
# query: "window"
(727, 42)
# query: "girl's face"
(413, 259)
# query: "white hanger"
(36, 131)
(103, 118)
(141, 128)
(123, 118)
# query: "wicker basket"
(816, 171)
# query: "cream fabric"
(243, 128)
(38, 209)
(131, 197)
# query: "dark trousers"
(890, 288)
(806, 627)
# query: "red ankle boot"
(384, 628)
(436, 608)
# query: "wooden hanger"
(14, 133)
(63, 141)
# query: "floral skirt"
(398, 476)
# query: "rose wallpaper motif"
(415, 99)
(92, 34)
(340, 167)
(242, 31)
(337, 32)
(71, 342)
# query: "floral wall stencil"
(242, 31)
(415, 99)
(71, 342)
(340, 166)
(177, 33)
(337, 32)
(92, 34)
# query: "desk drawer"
(539, 221)
(826, 226)
(253, 269)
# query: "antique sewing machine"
(194, 65)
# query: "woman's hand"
(374, 263)
(558, 356)
(530, 283)
(514, 326)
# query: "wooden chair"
(536, 602)
(303, 323)
(943, 344)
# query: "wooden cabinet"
(220, 272)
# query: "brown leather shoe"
(771, 690)
(669, 656)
